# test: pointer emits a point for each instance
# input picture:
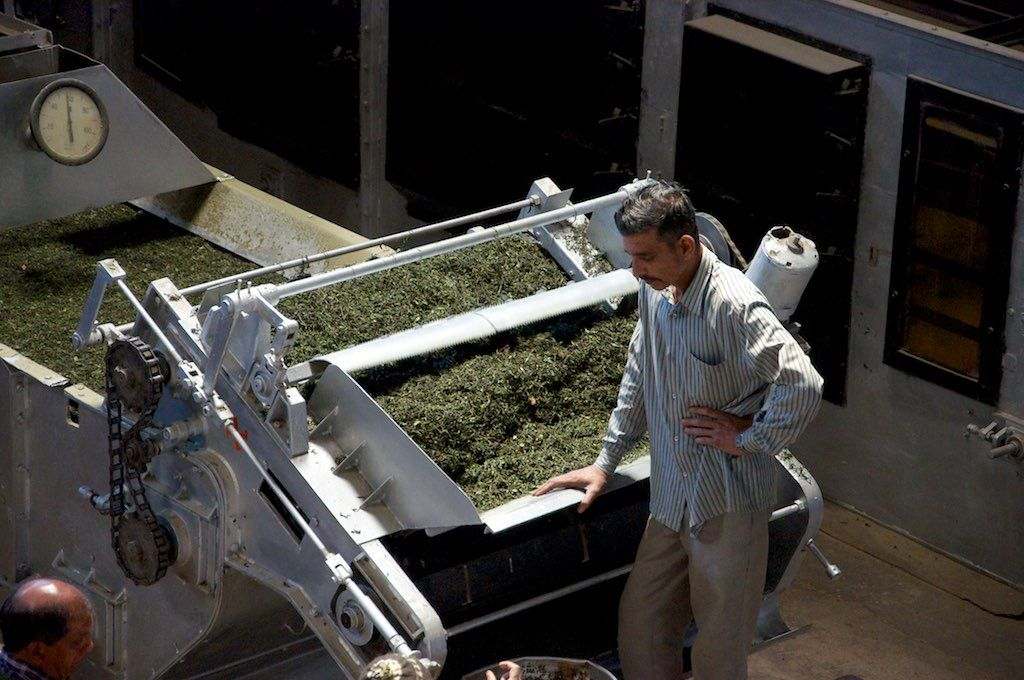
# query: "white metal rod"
(168, 347)
(356, 247)
(278, 292)
(788, 510)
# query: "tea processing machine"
(233, 515)
(235, 510)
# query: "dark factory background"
(891, 132)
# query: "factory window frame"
(956, 209)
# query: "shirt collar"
(690, 300)
(18, 670)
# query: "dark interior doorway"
(771, 132)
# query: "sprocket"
(136, 373)
(144, 552)
(135, 378)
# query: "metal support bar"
(107, 271)
(356, 247)
(833, 570)
(799, 506)
(275, 293)
(221, 333)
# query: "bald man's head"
(48, 624)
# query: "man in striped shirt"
(721, 387)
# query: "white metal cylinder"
(782, 267)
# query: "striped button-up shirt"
(14, 670)
(719, 345)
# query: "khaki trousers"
(715, 578)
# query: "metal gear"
(138, 452)
(136, 373)
(144, 553)
(135, 378)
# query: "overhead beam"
(373, 107)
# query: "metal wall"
(897, 450)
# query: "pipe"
(275, 293)
(477, 324)
(356, 247)
(788, 510)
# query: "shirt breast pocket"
(712, 384)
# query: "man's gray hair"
(664, 206)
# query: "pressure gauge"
(69, 121)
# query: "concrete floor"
(898, 611)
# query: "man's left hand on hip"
(716, 428)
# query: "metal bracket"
(377, 495)
(1006, 434)
(326, 426)
(222, 321)
(351, 460)
(262, 359)
(287, 420)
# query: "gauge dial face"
(69, 122)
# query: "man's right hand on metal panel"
(591, 480)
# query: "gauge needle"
(71, 130)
